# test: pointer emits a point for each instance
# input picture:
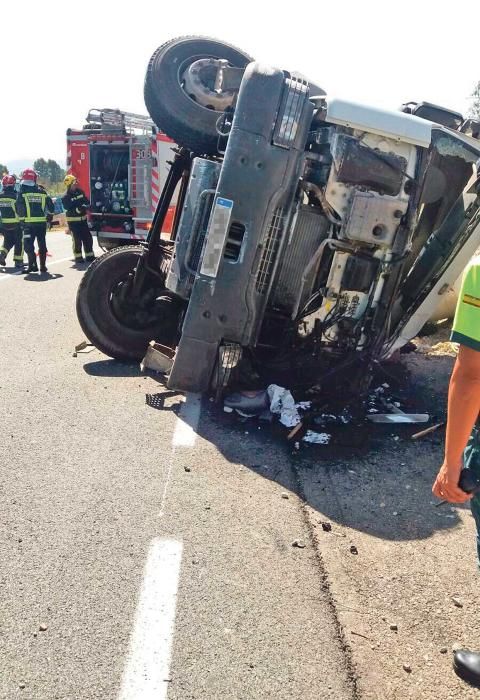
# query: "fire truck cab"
(120, 160)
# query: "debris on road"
(43, 628)
(159, 358)
(300, 544)
(83, 347)
(407, 668)
(353, 549)
(316, 438)
(427, 431)
(394, 627)
(363, 636)
(295, 430)
(457, 602)
(247, 403)
(187, 469)
(282, 403)
(275, 400)
(326, 526)
(284, 495)
(398, 418)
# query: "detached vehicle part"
(312, 238)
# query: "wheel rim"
(129, 314)
(196, 77)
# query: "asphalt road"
(145, 553)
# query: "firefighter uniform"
(75, 204)
(10, 227)
(35, 208)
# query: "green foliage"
(3, 169)
(49, 171)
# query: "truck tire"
(173, 110)
(114, 335)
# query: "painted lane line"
(148, 665)
(184, 435)
(6, 276)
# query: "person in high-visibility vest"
(462, 443)
(76, 204)
(34, 208)
(10, 226)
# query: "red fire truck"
(120, 161)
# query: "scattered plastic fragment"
(316, 438)
(283, 404)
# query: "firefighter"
(75, 204)
(35, 208)
(10, 226)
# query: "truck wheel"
(180, 96)
(116, 327)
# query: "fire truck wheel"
(116, 328)
(180, 102)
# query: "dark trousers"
(81, 236)
(12, 238)
(32, 233)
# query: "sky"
(64, 58)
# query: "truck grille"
(270, 251)
(197, 247)
(294, 98)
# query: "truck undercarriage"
(312, 237)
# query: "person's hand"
(446, 484)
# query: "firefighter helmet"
(8, 180)
(69, 180)
(29, 175)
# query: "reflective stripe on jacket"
(34, 205)
(75, 204)
(8, 211)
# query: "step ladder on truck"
(120, 160)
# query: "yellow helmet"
(69, 180)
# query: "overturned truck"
(313, 237)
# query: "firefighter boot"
(43, 257)
(3, 260)
(32, 263)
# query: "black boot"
(32, 264)
(3, 259)
(466, 665)
(43, 258)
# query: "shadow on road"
(42, 277)
(374, 479)
(112, 368)
(115, 368)
(385, 492)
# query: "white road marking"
(146, 674)
(5, 276)
(184, 434)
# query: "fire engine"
(120, 160)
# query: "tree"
(49, 171)
(41, 167)
(3, 169)
(56, 173)
(475, 104)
